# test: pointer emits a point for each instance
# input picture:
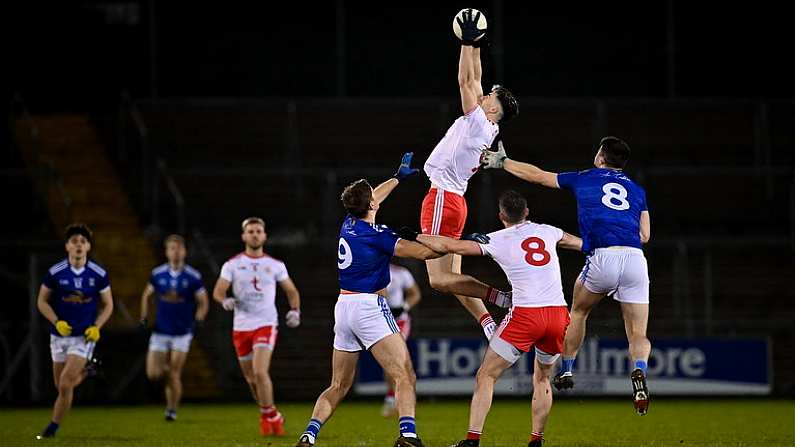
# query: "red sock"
(536, 436)
(485, 319)
(473, 435)
(390, 393)
(268, 411)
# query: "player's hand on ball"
(480, 238)
(92, 334)
(493, 160)
(228, 304)
(408, 234)
(293, 318)
(405, 170)
(63, 328)
(470, 33)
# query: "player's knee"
(155, 374)
(261, 375)
(485, 374)
(66, 385)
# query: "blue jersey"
(175, 294)
(75, 293)
(608, 207)
(363, 255)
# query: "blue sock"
(568, 364)
(313, 428)
(408, 427)
(641, 365)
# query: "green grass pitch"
(573, 423)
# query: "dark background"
(153, 117)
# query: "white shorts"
(361, 320)
(166, 343)
(621, 272)
(60, 347)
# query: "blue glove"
(480, 238)
(405, 170)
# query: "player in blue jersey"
(362, 318)
(69, 298)
(614, 224)
(181, 304)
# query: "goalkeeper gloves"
(293, 318)
(470, 33)
(405, 170)
(92, 333)
(493, 160)
(63, 328)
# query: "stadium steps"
(99, 200)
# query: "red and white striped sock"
(536, 436)
(268, 411)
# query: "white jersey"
(254, 289)
(456, 158)
(527, 254)
(401, 280)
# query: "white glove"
(293, 318)
(493, 160)
(228, 304)
(489, 326)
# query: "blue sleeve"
(643, 205)
(103, 282)
(152, 280)
(386, 240)
(567, 180)
(49, 281)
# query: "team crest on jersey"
(64, 282)
(254, 267)
(173, 283)
(184, 283)
(161, 282)
(79, 283)
(91, 282)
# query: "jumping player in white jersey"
(455, 159)
(614, 223)
(526, 252)
(253, 276)
(402, 295)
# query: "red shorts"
(404, 326)
(443, 213)
(525, 327)
(246, 341)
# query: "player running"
(181, 304)
(614, 223)
(69, 299)
(526, 252)
(456, 158)
(402, 295)
(253, 276)
(362, 319)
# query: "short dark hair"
(356, 198)
(78, 228)
(512, 205)
(510, 106)
(615, 151)
(174, 238)
(252, 220)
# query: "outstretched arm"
(382, 191)
(532, 173)
(444, 244)
(469, 77)
(570, 242)
(414, 250)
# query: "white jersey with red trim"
(456, 158)
(254, 289)
(527, 254)
(401, 280)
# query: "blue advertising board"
(700, 366)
